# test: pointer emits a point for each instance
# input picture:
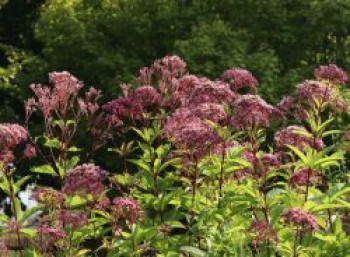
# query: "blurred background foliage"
(106, 42)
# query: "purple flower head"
(126, 108)
(340, 105)
(240, 78)
(332, 73)
(247, 172)
(188, 131)
(89, 105)
(210, 111)
(169, 67)
(85, 179)
(297, 136)
(183, 88)
(270, 160)
(211, 92)
(126, 208)
(65, 88)
(263, 232)
(147, 95)
(72, 219)
(49, 197)
(310, 91)
(306, 177)
(301, 219)
(219, 148)
(11, 135)
(287, 104)
(145, 77)
(251, 111)
(29, 151)
(49, 236)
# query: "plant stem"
(221, 173)
(14, 209)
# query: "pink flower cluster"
(211, 92)
(65, 88)
(263, 232)
(165, 69)
(126, 108)
(48, 236)
(303, 220)
(252, 111)
(126, 208)
(49, 197)
(11, 135)
(72, 219)
(85, 179)
(311, 91)
(188, 131)
(305, 177)
(332, 73)
(240, 78)
(296, 136)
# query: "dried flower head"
(251, 111)
(332, 73)
(240, 78)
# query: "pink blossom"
(311, 91)
(169, 67)
(263, 232)
(331, 73)
(49, 197)
(29, 151)
(240, 78)
(297, 136)
(211, 92)
(188, 131)
(49, 236)
(126, 108)
(72, 219)
(305, 177)
(304, 220)
(251, 111)
(210, 111)
(84, 179)
(126, 208)
(147, 95)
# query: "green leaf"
(52, 143)
(194, 251)
(298, 153)
(44, 169)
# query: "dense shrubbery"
(208, 168)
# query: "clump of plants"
(205, 168)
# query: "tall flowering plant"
(207, 168)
